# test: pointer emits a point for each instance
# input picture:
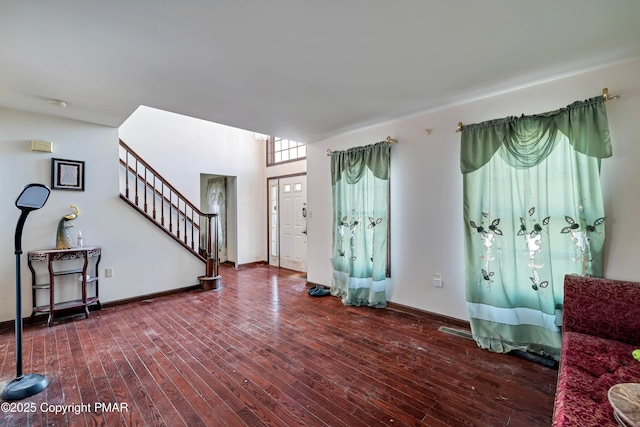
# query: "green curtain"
(533, 212)
(359, 178)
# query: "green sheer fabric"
(533, 212)
(526, 141)
(360, 217)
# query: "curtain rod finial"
(459, 128)
(427, 131)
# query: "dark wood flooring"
(261, 351)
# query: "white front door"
(293, 222)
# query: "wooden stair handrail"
(157, 186)
(166, 183)
(157, 193)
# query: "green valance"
(525, 141)
(351, 164)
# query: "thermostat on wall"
(45, 146)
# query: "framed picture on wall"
(67, 174)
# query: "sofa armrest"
(602, 307)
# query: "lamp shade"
(33, 197)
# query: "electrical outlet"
(108, 272)
(437, 280)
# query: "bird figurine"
(63, 239)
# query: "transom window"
(284, 150)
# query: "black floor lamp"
(33, 197)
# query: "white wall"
(284, 169)
(180, 148)
(130, 244)
(426, 186)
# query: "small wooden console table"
(51, 256)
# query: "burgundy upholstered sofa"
(600, 329)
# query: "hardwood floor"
(260, 351)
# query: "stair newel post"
(216, 245)
(211, 280)
(210, 260)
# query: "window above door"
(281, 150)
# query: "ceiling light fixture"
(58, 103)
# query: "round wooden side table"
(625, 400)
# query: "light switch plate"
(437, 280)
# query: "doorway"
(218, 195)
(288, 222)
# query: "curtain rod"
(389, 141)
(605, 97)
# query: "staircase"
(152, 196)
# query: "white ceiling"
(301, 69)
